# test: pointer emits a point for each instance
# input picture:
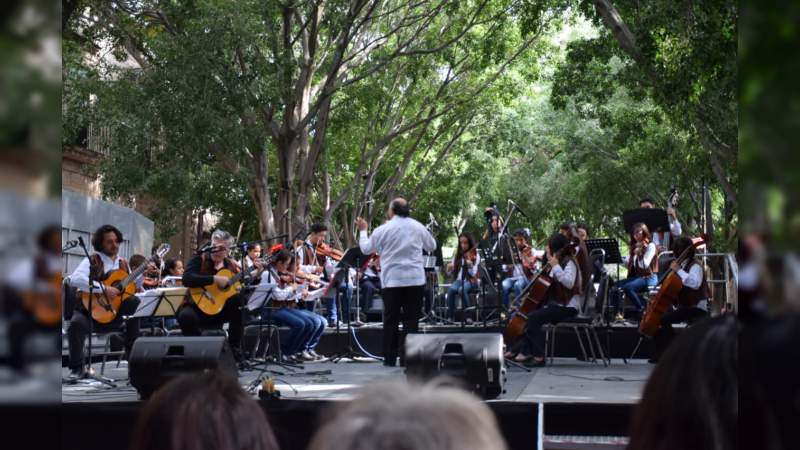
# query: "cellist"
(563, 302)
(692, 301)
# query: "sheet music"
(149, 300)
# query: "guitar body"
(211, 299)
(45, 303)
(105, 310)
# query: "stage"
(569, 404)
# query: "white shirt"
(399, 242)
(693, 279)
(567, 277)
(649, 254)
(675, 230)
(80, 277)
(472, 271)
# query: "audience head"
(691, 398)
(399, 416)
(203, 411)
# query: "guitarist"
(105, 242)
(201, 271)
(563, 303)
(692, 303)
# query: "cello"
(667, 295)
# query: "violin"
(324, 249)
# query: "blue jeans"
(299, 328)
(332, 309)
(632, 287)
(517, 284)
(316, 326)
(455, 291)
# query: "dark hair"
(400, 207)
(682, 243)
(318, 227)
(203, 411)
(170, 265)
(584, 226)
(283, 255)
(43, 238)
(690, 400)
(521, 233)
(644, 228)
(136, 260)
(556, 242)
(97, 237)
(647, 200)
(566, 226)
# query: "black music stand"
(353, 258)
(655, 219)
(610, 247)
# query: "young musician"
(202, 271)
(172, 268)
(106, 241)
(400, 242)
(304, 329)
(641, 265)
(522, 270)
(312, 262)
(660, 237)
(370, 282)
(564, 300)
(692, 301)
(464, 269)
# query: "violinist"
(522, 270)
(313, 258)
(370, 282)
(563, 302)
(660, 237)
(692, 302)
(464, 269)
(282, 308)
(641, 265)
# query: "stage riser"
(100, 426)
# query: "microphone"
(433, 220)
(511, 202)
(80, 241)
(70, 244)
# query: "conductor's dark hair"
(203, 411)
(400, 207)
(318, 227)
(647, 200)
(97, 237)
(694, 389)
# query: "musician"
(106, 241)
(253, 253)
(305, 327)
(400, 242)
(521, 272)
(464, 269)
(692, 303)
(172, 268)
(201, 271)
(312, 262)
(32, 276)
(370, 282)
(675, 229)
(494, 245)
(641, 265)
(563, 302)
(151, 279)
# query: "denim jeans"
(299, 328)
(332, 309)
(517, 284)
(455, 291)
(632, 287)
(316, 326)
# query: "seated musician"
(521, 272)
(312, 261)
(106, 241)
(201, 271)
(282, 310)
(172, 268)
(464, 269)
(641, 266)
(563, 303)
(309, 291)
(34, 277)
(584, 233)
(151, 279)
(675, 229)
(370, 282)
(692, 303)
(253, 254)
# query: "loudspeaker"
(156, 360)
(476, 359)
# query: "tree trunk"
(259, 191)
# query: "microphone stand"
(87, 374)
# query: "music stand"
(655, 219)
(353, 258)
(160, 302)
(610, 247)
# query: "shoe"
(521, 358)
(533, 362)
(76, 374)
(316, 355)
(509, 355)
(306, 356)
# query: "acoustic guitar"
(44, 301)
(105, 308)
(211, 298)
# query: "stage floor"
(567, 380)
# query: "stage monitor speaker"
(476, 359)
(156, 360)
